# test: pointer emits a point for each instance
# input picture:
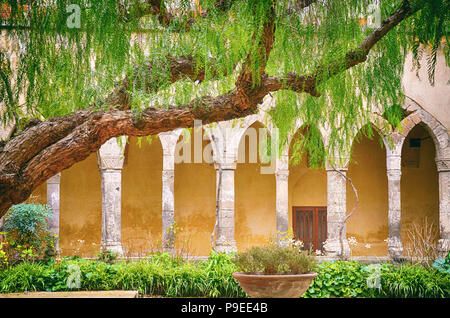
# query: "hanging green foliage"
(62, 56)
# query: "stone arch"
(367, 170)
(419, 185)
(255, 198)
(437, 131)
(307, 185)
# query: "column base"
(444, 246)
(116, 248)
(395, 248)
(333, 248)
(223, 246)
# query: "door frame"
(316, 240)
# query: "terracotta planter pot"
(274, 286)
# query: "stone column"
(282, 195)
(53, 195)
(394, 172)
(225, 240)
(443, 167)
(168, 142)
(111, 159)
(336, 212)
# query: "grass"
(161, 275)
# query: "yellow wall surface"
(195, 202)
(369, 223)
(420, 188)
(81, 209)
(39, 195)
(255, 201)
(142, 196)
(307, 185)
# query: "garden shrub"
(343, 279)
(26, 276)
(26, 232)
(164, 275)
(275, 259)
(415, 281)
(160, 274)
(443, 264)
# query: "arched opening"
(141, 196)
(367, 228)
(81, 209)
(419, 190)
(195, 196)
(307, 193)
(255, 197)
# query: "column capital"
(56, 179)
(225, 165)
(282, 173)
(442, 164)
(328, 168)
(169, 141)
(111, 155)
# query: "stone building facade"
(229, 229)
(133, 199)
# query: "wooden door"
(310, 226)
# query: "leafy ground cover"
(167, 276)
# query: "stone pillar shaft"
(336, 212)
(168, 142)
(111, 210)
(225, 239)
(443, 167)
(282, 203)
(394, 172)
(168, 207)
(53, 201)
(111, 157)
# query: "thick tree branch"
(48, 147)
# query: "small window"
(414, 143)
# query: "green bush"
(27, 232)
(167, 276)
(351, 279)
(275, 259)
(160, 274)
(415, 281)
(24, 277)
(443, 264)
(344, 279)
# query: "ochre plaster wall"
(39, 195)
(307, 185)
(81, 209)
(195, 202)
(369, 223)
(255, 201)
(142, 196)
(420, 187)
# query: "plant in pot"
(275, 270)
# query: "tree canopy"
(74, 73)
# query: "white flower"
(367, 246)
(352, 241)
